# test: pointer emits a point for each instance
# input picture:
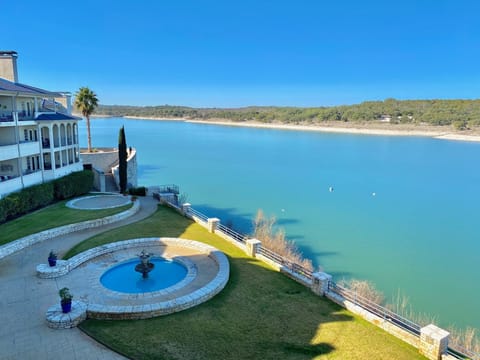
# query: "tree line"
(462, 114)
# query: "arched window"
(56, 136)
(63, 136)
(69, 134)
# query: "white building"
(38, 134)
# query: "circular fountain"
(124, 277)
(170, 285)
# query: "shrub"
(37, 196)
(276, 241)
(460, 125)
(364, 289)
(24, 201)
(139, 191)
(74, 184)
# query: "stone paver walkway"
(25, 299)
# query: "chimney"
(8, 65)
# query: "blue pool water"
(124, 278)
(419, 235)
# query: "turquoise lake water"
(419, 234)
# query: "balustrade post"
(253, 246)
(320, 283)
(433, 342)
(186, 208)
(212, 224)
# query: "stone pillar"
(433, 342)
(320, 283)
(212, 224)
(186, 208)
(253, 246)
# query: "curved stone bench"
(56, 319)
(29, 240)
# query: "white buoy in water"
(330, 189)
(374, 194)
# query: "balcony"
(6, 117)
(24, 116)
(10, 184)
(32, 177)
(29, 148)
(8, 151)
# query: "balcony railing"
(7, 177)
(6, 116)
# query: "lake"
(403, 212)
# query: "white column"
(253, 245)
(186, 208)
(212, 224)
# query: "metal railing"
(454, 350)
(375, 308)
(459, 352)
(198, 214)
(294, 267)
(232, 233)
(171, 188)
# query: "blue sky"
(238, 53)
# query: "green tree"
(122, 160)
(86, 101)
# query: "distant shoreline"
(358, 129)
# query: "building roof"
(10, 86)
(56, 116)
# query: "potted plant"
(65, 299)
(52, 258)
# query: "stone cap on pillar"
(434, 332)
(253, 241)
(322, 276)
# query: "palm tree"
(86, 101)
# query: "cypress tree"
(122, 160)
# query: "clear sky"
(220, 53)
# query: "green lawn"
(261, 314)
(49, 217)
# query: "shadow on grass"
(261, 314)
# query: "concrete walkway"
(25, 298)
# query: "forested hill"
(460, 113)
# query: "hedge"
(74, 184)
(139, 191)
(38, 196)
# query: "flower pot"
(52, 262)
(66, 306)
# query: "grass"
(49, 217)
(261, 314)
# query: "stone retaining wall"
(29, 240)
(396, 331)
